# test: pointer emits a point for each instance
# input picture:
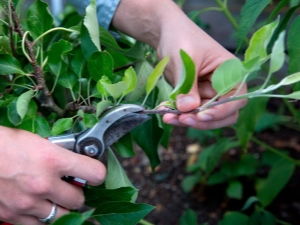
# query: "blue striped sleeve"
(105, 9)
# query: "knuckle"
(38, 186)
(25, 204)
(100, 175)
(7, 216)
(79, 202)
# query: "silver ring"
(51, 216)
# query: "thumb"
(189, 101)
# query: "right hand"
(31, 169)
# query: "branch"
(46, 100)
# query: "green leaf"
(89, 120)
(153, 132)
(101, 106)
(23, 101)
(42, 127)
(67, 80)
(130, 78)
(61, 125)
(248, 119)
(115, 90)
(268, 219)
(278, 177)
(116, 176)
(259, 42)
(277, 55)
(91, 23)
(78, 62)
(101, 64)
(87, 45)
(9, 65)
(121, 213)
(56, 55)
(156, 74)
(189, 218)
(294, 95)
(4, 45)
(13, 114)
(94, 195)
(73, 218)
(187, 78)
(250, 12)
(38, 18)
(249, 202)
(231, 218)
(228, 75)
(124, 146)
(293, 46)
(235, 190)
(144, 71)
(189, 182)
(294, 3)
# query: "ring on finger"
(51, 216)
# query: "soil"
(163, 190)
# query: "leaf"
(189, 218)
(9, 65)
(250, 12)
(228, 75)
(56, 54)
(231, 218)
(90, 21)
(156, 74)
(153, 132)
(89, 120)
(259, 42)
(187, 78)
(78, 62)
(121, 213)
(42, 127)
(23, 101)
(101, 64)
(235, 190)
(115, 90)
(124, 146)
(67, 80)
(94, 195)
(116, 176)
(73, 218)
(4, 45)
(61, 125)
(101, 106)
(130, 79)
(189, 182)
(249, 202)
(38, 18)
(144, 71)
(248, 119)
(13, 114)
(294, 95)
(278, 177)
(268, 219)
(87, 45)
(277, 55)
(293, 46)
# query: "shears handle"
(68, 142)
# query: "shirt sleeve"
(105, 9)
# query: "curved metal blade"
(122, 127)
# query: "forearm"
(145, 20)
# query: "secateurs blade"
(112, 125)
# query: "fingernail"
(204, 117)
(189, 121)
(173, 122)
(185, 100)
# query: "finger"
(222, 111)
(45, 208)
(66, 195)
(83, 167)
(26, 220)
(206, 90)
(190, 101)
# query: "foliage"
(58, 79)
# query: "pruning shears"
(113, 124)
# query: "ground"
(163, 187)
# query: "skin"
(30, 175)
(167, 29)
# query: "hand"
(167, 29)
(179, 32)
(31, 169)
